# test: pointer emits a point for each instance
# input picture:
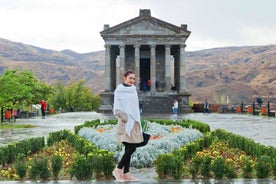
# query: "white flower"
(143, 156)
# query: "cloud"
(258, 35)
(76, 24)
(59, 24)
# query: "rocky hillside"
(241, 73)
(51, 66)
(233, 74)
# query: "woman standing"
(129, 132)
(175, 107)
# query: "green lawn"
(13, 126)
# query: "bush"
(274, 167)
(247, 167)
(39, 168)
(56, 163)
(263, 167)
(196, 165)
(168, 165)
(82, 168)
(230, 171)
(20, 166)
(218, 167)
(206, 166)
(102, 163)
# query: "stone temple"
(155, 50)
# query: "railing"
(253, 109)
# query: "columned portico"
(150, 47)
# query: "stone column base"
(107, 102)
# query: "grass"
(7, 126)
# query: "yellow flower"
(200, 153)
(229, 160)
(16, 176)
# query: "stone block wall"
(152, 103)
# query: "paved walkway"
(260, 129)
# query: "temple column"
(122, 58)
(137, 65)
(118, 71)
(113, 69)
(107, 68)
(182, 68)
(120, 64)
(152, 68)
(168, 67)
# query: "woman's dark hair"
(128, 72)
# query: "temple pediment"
(145, 24)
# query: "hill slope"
(51, 66)
(239, 74)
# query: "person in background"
(144, 84)
(8, 115)
(129, 129)
(43, 108)
(140, 107)
(175, 107)
(148, 84)
(206, 107)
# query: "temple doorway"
(144, 73)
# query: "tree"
(21, 87)
(74, 97)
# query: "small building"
(155, 50)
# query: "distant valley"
(229, 74)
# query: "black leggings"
(125, 161)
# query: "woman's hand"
(122, 116)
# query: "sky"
(76, 24)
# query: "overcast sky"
(76, 24)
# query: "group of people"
(145, 85)
(206, 107)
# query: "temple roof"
(144, 25)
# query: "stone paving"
(259, 128)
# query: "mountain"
(241, 73)
(233, 74)
(51, 66)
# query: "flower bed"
(164, 139)
(177, 153)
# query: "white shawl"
(126, 101)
